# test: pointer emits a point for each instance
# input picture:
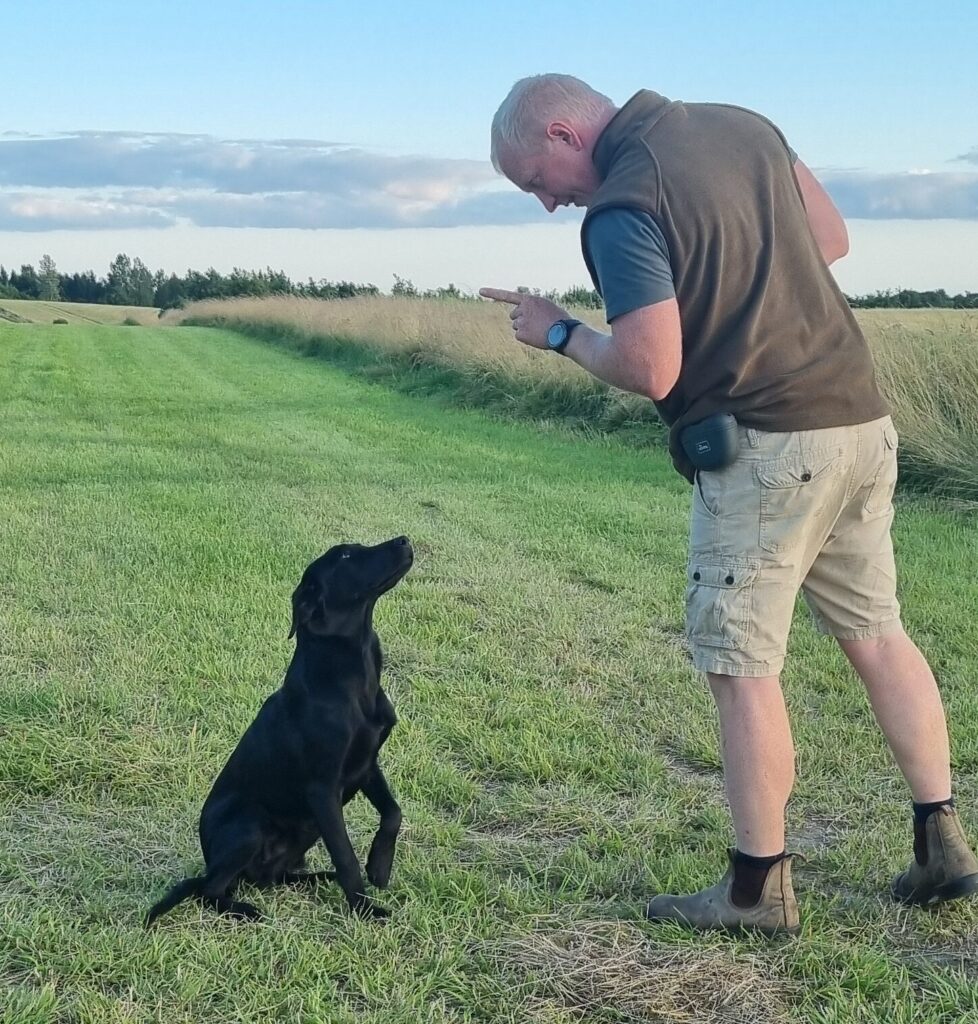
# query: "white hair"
(534, 102)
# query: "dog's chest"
(362, 751)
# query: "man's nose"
(549, 202)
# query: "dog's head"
(345, 581)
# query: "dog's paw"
(379, 864)
(379, 875)
(239, 911)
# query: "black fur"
(312, 747)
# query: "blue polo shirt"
(631, 259)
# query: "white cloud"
(917, 195)
(120, 178)
(54, 208)
(112, 180)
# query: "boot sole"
(778, 931)
(746, 930)
(953, 890)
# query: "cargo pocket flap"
(719, 602)
(729, 573)
(800, 471)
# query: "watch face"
(556, 334)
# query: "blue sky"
(350, 140)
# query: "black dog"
(312, 747)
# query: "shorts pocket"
(880, 498)
(791, 494)
(709, 504)
(719, 599)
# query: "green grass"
(926, 362)
(556, 758)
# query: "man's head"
(543, 137)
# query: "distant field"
(556, 757)
(36, 312)
(927, 363)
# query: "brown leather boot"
(951, 870)
(775, 913)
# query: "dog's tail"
(180, 892)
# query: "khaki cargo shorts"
(808, 510)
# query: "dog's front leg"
(327, 809)
(381, 856)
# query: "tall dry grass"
(457, 331)
(460, 347)
(927, 363)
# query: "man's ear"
(561, 131)
(306, 597)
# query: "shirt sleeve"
(631, 259)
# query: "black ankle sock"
(921, 812)
(750, 874)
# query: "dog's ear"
(305, 599)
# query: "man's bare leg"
(907, 704)
(758, 759)
(759, 772)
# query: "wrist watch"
(559, 334)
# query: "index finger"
(501, 295)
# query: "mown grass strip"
(927, 363)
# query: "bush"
(60, 320)
(131, 322)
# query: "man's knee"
(872, 648)
(728, 689)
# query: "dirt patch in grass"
(815, 833)
(690, 771)
(609, 970)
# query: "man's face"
(558, 171)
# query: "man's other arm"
(826, 222)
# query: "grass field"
(556, 758)
(926, 360)
(37, 312)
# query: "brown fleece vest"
(767, 334)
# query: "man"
(710, 242)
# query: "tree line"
(129, 282)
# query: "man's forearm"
(642, 355)
(597, 353)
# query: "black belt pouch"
(711, 443)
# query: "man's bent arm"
(643, 353)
